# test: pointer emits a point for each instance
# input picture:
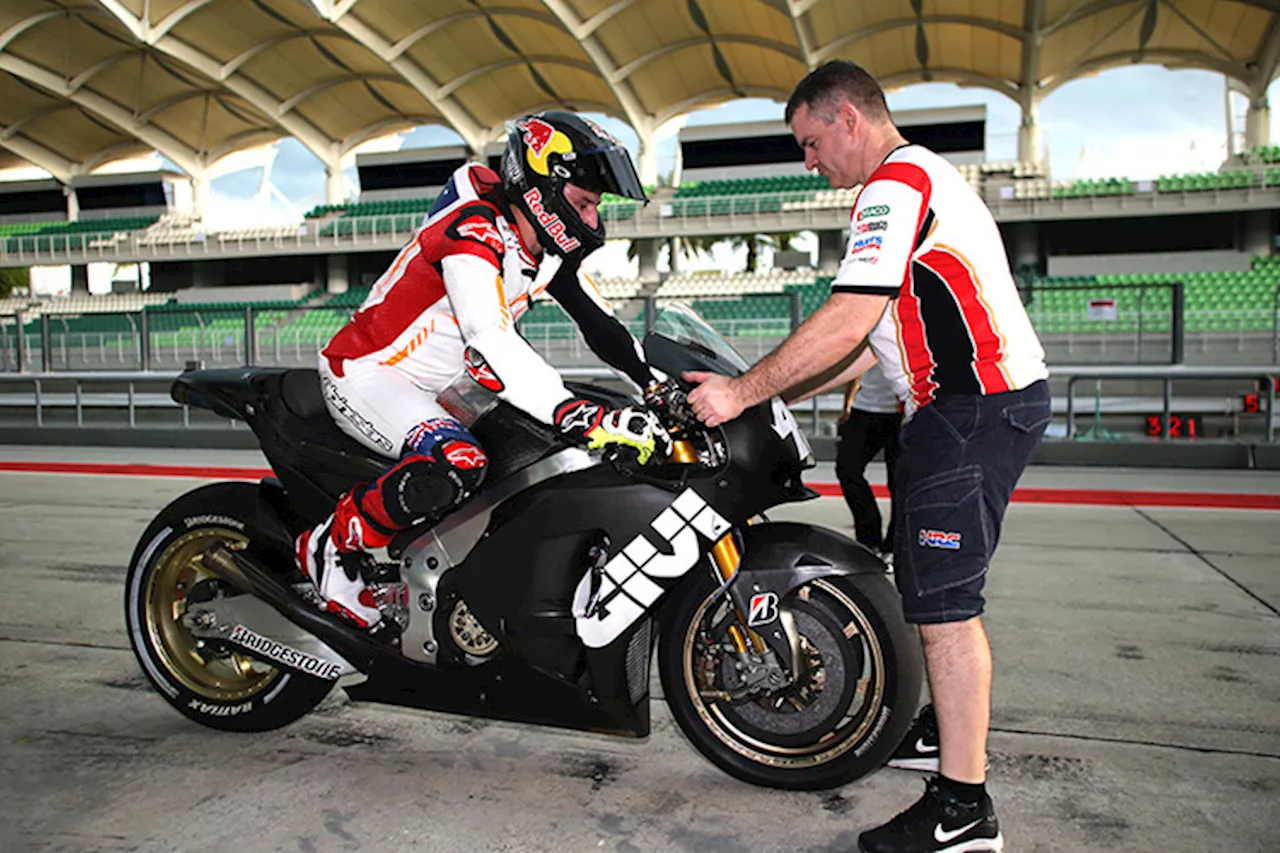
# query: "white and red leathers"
(447, 303)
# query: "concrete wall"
(1148, 262)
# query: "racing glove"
(587, 422)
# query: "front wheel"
(221, 689)
(845, 712)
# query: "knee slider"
(423, 487)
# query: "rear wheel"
(219, 688)
(849, 705)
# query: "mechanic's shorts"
(961, 457)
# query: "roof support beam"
(27, 23)
(304, 131)
(639, 62)
(1028, 86)
(828, 50)
(1267, 65)
(55, 164)
(171, 20)
(58, 107)
(186, 159)
(413, 74)
(1164, 56)
(377, 129)
(716, 96)
(959, 76)
(476, 73)
(449, 20)
(640, 119)
(1092, 8)
(288, 104)
(801, 27)
(590, 25)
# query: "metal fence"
(167, 340)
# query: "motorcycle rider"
(448, 303)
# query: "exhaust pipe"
(245, 573)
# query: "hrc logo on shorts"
(940, 539)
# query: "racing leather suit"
(448, 302)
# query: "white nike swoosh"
(921, 746)
(942, 836)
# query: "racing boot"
(332, 556)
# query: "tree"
(15, 280)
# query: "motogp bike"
(548, 597)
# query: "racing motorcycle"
(545, 599)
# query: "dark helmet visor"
(608, 170)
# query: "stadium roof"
(88, 82)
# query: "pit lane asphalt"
(1136, 707)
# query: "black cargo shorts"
(961, 457)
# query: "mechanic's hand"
(715, 401)
(635, 428)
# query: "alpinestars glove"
(590, 423)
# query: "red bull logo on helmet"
(541, 141)
(549, 221)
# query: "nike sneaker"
(919, 749)
(938, 823)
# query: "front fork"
(764, 634)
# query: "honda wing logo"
(627, 587)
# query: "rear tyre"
(225, 691)
(843, 717)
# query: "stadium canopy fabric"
(88, 82)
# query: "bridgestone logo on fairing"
(286, 655)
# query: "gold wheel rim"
(177, 570)
(868, 698)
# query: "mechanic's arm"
(890, 219)
(602, 331)
(850, 369)
(828, 336)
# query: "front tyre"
(220, 689)
(844, 715)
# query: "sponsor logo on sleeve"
(873, 211)
(479, 370)
(482, 231)
(872, 225)
(280, 653)
(944, 539)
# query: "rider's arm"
(606, 337)
(498, 358)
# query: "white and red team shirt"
(460, 284)
(955, 323)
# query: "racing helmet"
(553, 148)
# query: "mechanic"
(488, 246)
(926, 279)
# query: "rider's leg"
(441, 465)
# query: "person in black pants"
(872, 418)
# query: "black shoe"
(938, 823)
(919, 749)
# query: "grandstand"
(1097, 291)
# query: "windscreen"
(683, 325)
